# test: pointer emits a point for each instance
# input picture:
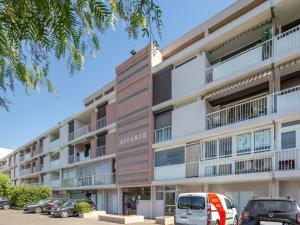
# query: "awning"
(238, 83)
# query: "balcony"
(281, 101)
(4, 166)
(101, 150)
(27, 156)
(104, 179)
(25, 171)
(82, 131)
(70, 182)
(163, 134)
(21, 158)
(54, 164)
(54, 144)
(101, 123)
(255, 163)
(55, 183)
(276, 46)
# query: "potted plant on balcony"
(266, 43)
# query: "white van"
(205, 209)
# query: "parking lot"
(17, 217)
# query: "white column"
(274, 188)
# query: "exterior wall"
(111, 143)
(111, 113)
(93, 152)
(134, 120)
(46, 144)
(93, 121)
(188, 119)
(188, 77)
(64, 135)
(64, 156)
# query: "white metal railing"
(101, 123)
(287, 41)
(54, 144)
(82, 131)
(240, 112)
(101, 150)
(163, 134)
(277, 45)
(85, 181)
(263, 162)
(104, 179)
(240, 61)
(4, 166)
(70, 182)
(281, 101)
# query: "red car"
(55, 202)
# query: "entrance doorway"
(132, 197)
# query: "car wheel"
(64, 214)
(38, 210)
(235, 221)
(5, 207)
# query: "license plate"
(269, 223)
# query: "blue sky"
(30, 115)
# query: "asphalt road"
(17, 217)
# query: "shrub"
(5, 185)
(83, 207)
(26, 194)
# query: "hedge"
(83, 207)
(26, 194)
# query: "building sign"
(134, 138)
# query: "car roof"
(204, 194)
(271, 199)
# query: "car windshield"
(266, 206)
(191, 202)
(69, 203)
(43, 201)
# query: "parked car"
(55, 203)
(205, 209)
(4, 203)
(40, 206)
(69, 208)
(266, 211)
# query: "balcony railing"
(281, 101)
(104, 179)
(163, 134)
(54, 144)
(27, 156)
(240, 112)
(21, 158)
(269, 162)
(101, 150)
(276, 46)
(101, 123)
(101, 179)
(82, 131)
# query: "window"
(193, 202)
(228, 204)
(225, 169)
(86, 153)
(162, 85)
(288, 140)
(211, 149)
(244, 143)
(262, 140)
(210, 171)
(169, 157)
(225, 147)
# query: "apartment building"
(226, 106)
(216, 110)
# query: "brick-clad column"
(37, 147)
(110, 144)
(94, 120)
(111, 113)
(93, 144)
